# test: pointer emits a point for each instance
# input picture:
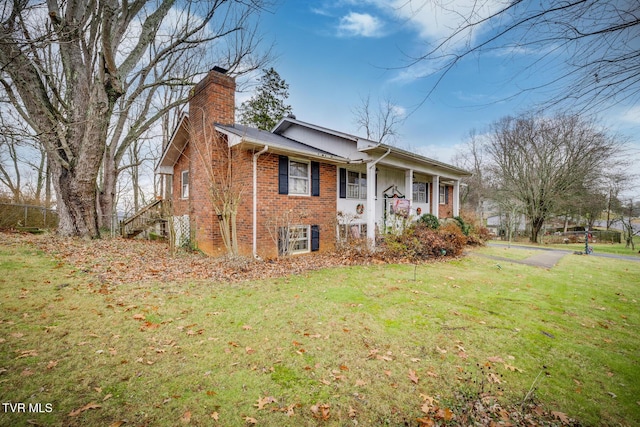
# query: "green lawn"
(605, 248)
(367, 345)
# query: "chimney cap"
(220, 70)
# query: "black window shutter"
(343, 183)
(315, 238)
(315, 178)
(446, 195)
(283, 175)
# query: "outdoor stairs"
(147, 217)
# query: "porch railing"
(147, 217)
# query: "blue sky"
(334, 53)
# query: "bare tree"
(225, 193)
(472, 159)
(23, 161)
(380, 123)
(543, 161)
(628, 218)
(74, 71)
(582, 52)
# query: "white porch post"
(435, 198)
(456, 198)
(371, 203)
(371, 198)
(408, 185)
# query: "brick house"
(309, 181)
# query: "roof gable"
(174, 148)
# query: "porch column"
(435, 197)
(371, 203)
(408, 184)
(456, 198)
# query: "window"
(444, 195)
(353, 185)
(185, 184)
(419, 192)
(298, 177)
(298, 239)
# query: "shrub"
(464, 227)
(422, 242)
(455, 240)
(429, 220)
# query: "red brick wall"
(320, 210)
(207, 157)
(213, 101)
(180, 205)
(446, 211)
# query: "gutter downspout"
(371, 199)
(255, 200)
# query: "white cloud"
(361, 25)
(632, 115)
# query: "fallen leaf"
(247, 327)
(561, 416)
(186, 418)
(445, 414)
(249, 350)
(413, 376)
(91, 405)
(215, 416)
(117, 423)
(138, 316)
(322, 412)
(263, 401)
(493, 378)
(440, 350)
(426, 422)
(52, 364)
(352, 412)
(250, 420)
(495, 359)
(289, 410)
(511, 368)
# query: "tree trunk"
(536, 227)
(76, 201)
(107, 194)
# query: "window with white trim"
(299, 178)
(356, 185)
(419, 192)
(299, 237)
(184, 180)
(443, 195)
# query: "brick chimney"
(215, 97)
(212, 102)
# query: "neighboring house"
(323, 179)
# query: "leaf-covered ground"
(117, 332)
(115, 260)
